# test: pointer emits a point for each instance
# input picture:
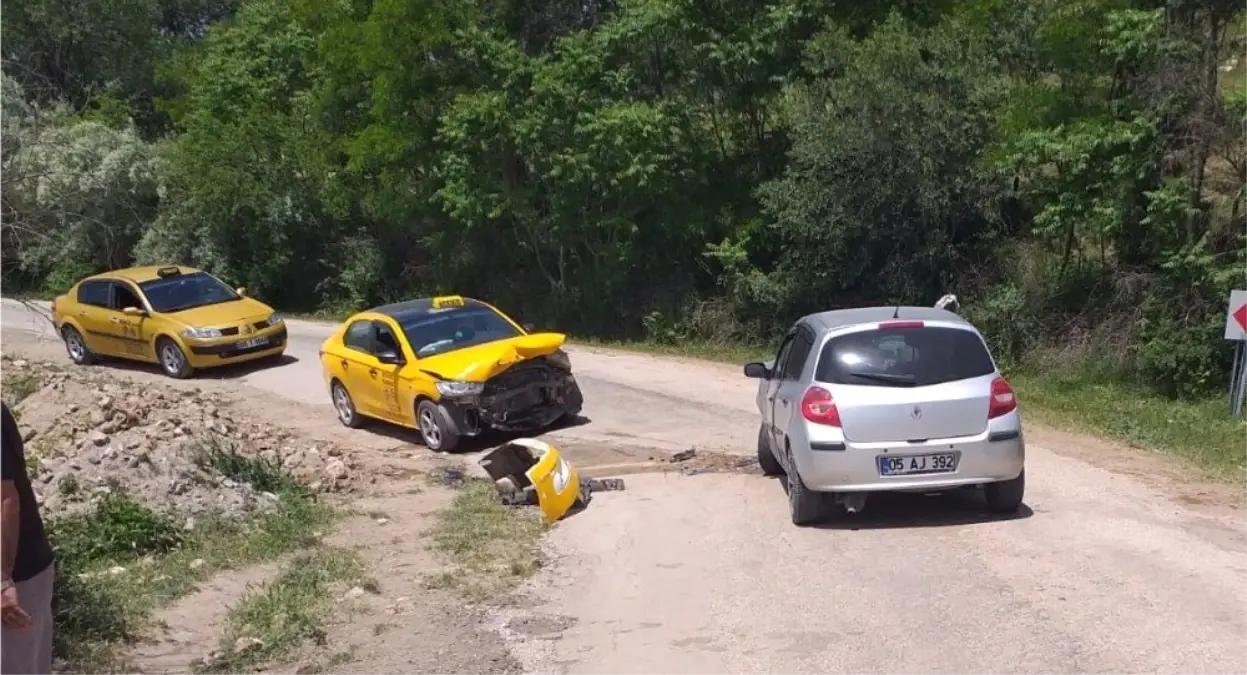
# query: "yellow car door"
(354, 362)
(93, 313)
(127, 330)
(388, 354)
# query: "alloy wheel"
(429, 429)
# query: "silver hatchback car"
(887, 398)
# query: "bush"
(89, 615)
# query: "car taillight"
(901, 324)
(817, 407)
(1003, 401)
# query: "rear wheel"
(1006, 496)
(766, 458)
(345, 406)
(435, 428)
(77, 347)
(804, 505)
(172, 360)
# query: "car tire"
(766, 459)
(436, 430)
(172, 360)
(804, 505)
(344, 406)
(1005, 496)
(77, 347)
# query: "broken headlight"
(562, 475)
(456, 388)
(561, 359)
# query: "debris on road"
(527, 471)
(683, 455)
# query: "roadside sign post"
(1236, 330)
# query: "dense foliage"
(673, 169)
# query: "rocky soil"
(88, 434)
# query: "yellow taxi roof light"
(447, 301)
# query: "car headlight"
(562, 476)
(561, 359)
(275, 319)
(201, 333)
(456, 388)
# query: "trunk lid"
(873, 414)
(908, 381)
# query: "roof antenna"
(897, 313)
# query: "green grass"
(122, 560)
(16, 386)
(289, 610)
(1201, 434)
(490, 546)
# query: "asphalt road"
(1113, 566)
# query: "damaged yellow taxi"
(449, 367)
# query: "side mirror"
(757, 371)
(529, 327)
(133, 311)
(390, 358)
(241, 290)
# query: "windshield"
(186, 291)
(442, 331)
(904, 357)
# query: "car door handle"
(115, 320)
(345, 363)
(372, 372)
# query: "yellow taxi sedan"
(449, 367)
(178, 317)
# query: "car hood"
(223, 314)
(482, 362)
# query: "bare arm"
(10, 524)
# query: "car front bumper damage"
(529, 396)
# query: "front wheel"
(1005, 496)
(435, 428)
(172, 360)
(77, 347)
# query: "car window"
(93, 293)
(780, 358)
(441, 331)
(186, 291)
(904, 357)
(384, 339)
(801, 346)
(358, 336)
(124, 297)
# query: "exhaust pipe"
(853, 502)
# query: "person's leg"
(30, 651)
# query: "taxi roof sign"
(447, 301)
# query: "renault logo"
(246, 330)
(916, 413)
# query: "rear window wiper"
(902, 380)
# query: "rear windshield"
(904, 357)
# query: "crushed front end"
(530, 395)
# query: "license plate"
(253, 342)
(909, 465)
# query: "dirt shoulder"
(266, 536)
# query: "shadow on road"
(896, 510)
(486, 440)
(230, 372)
